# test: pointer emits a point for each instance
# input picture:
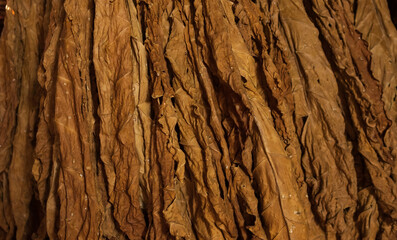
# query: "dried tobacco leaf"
(201, 119)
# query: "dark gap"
(134, 2)
(145, 216)
(236, 19)
(2, 13)
(304, 119)
(395, 95)
(268, 38)
(393, 11)
(36, 214)
(156, 102)
(226, 182)
(355, 6)
(141, 9)
(170, 20)
(94, 96)
(173, 101)
(346, 210)
(171, 74)
(178, 134)
(221, 193)
(299, 123)
(256, 58)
